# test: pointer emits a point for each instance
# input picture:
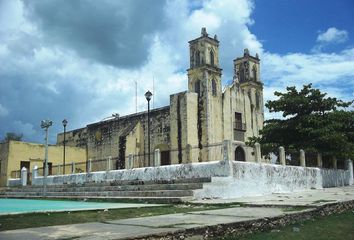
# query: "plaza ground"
(235, 216)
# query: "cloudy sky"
(80, 59)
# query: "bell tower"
(247, 78)
(204, 78)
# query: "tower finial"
(246, 52)
(204, 32)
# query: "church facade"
(195, 124)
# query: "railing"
(240, 126)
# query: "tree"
(311, 121)
(12, 136)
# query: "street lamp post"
(45, 124)
(64, 122)
(148, 96)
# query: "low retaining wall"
(335, 177)
(13, 182)
(230, 179)
(255, 179)
(171, 172)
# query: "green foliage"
(12, 136)
(312, 122)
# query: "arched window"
(254, 73)
(197, 86)
(213, 87)
(258, 100)
(242, 73)
(211, 58)
(197, 58)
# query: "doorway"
(165, 158)
(240, 154)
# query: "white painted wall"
(178, 171)
(230, 179)
(254, 179)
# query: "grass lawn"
(10, 222)
(338, 226)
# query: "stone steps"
(178, 186)
(165, 193)
(128, 182)
(141, 191)
(114, 199)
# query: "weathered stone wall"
(184, 125)
(172, 172)
(74, 138)
(109, 138)
(254, 179)
(230, 179)
(4, 154)
(335, 177)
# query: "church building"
(195, 124)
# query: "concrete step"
(178, 186)
(173, 190)
(125, 182)
(166, 200)
(162, 194)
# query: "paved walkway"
(138, 227)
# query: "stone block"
(302, 158)
(282, 156)
(24, 176)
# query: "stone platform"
(158, 191)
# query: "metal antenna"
(153, 91)
(136, 96)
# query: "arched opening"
(197, 58)
(242, 73)
(254, 73)
(197, 86)
(211, 58)
(258, 100)
(240, 154)
(213, 87)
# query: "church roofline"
(209, 39)
(129, 116)
(205, 36)
(245, 57)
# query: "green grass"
(334, 227)
(19, 221)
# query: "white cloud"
(26, 129)
(330, 72)
(332, 35)
(56, 81)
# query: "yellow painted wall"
(34, 153)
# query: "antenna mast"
(153, 91)
(136, 96)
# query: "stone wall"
(108, 138)
(172, 172)
(254, 179)
(230, 179)
(335, 177)
(4, 154)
